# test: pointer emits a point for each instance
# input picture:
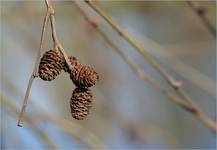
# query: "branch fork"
(187, 103)
(184, 102)
(57, 45)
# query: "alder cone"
(81, 75)
(84, 76)
(80, 103)
(50, 65)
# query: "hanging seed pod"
(50, 65)
(80, 103)
(84, 76)
(81, 75)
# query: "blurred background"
(127, 113)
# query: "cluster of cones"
(83, 77)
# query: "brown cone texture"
(74, 63)
(51, 65)
(84, 76)
(81, 102)
(81, 75)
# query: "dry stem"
(57, 44)
(34, 73)
(187, 105)
(170, 79)
(56, 41)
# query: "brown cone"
(74, 63)
(51, 65)
(81, 75)
(80, 103)
(84, 76)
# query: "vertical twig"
(34, 73)
(56, 41)
(187, 105)
(57, 44)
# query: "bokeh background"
(127, 113)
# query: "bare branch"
(34, 73)
(57, 45)
(169, 78)
(187, 104)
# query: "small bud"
(189, 108)
(178, 84)
(95, 23)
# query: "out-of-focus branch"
(34, 72)
(127, 37)
(76, 130)
(72, 128)
(201, 12)
(186, 105)
(170, 79)
(13, 110)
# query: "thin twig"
(56, 41)
(57, 44)
(169, 78)
(141, 74)
(188, 106)
(201, 12)
(126, 36)
(34, 73)
(130, 62)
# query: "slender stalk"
(170, 79)
(187, 105)
(34, 73)
(56, 41)
(57, 44)
(126, 36)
